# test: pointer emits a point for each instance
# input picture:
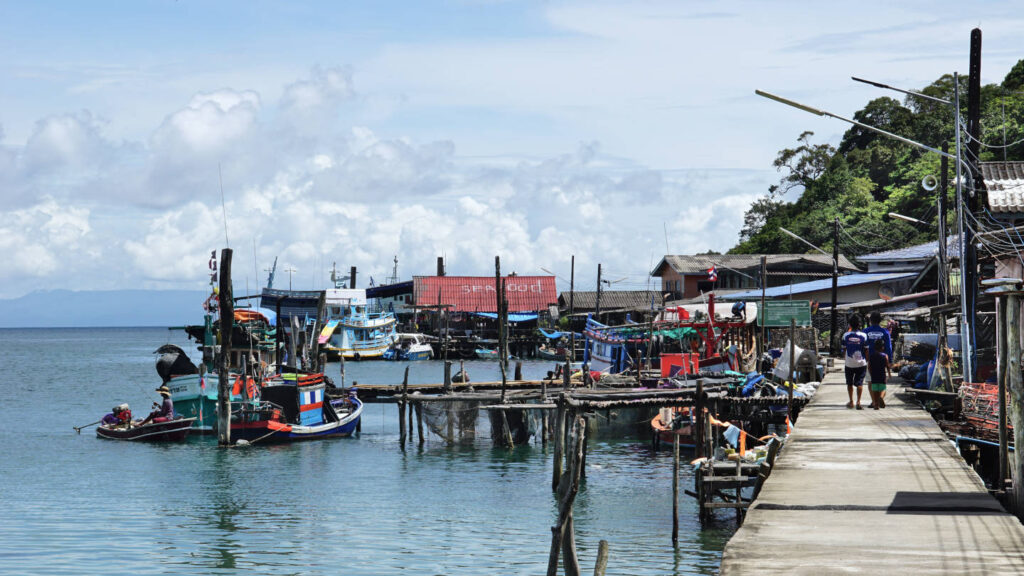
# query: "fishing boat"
(410, 347)
(167, 431)
(295, 407)
(353, 332)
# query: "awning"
(512, 316)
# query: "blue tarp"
(512, 316)
(553, 335)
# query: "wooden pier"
(872, 492)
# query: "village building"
(684, 277)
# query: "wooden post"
(558, 437)
(563, 533)
(401, 408)
(1001, 375)
(792, 368)
(419, 422)
(447, 376)
(499, 287)
(519, 370)
(602, 558)
(359, 423)
(675, 487)
(408, 405)
(227, 320)
(1016, 397)
(698, 420)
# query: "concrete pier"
(873, 492)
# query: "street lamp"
(788, 233)
(833, 348)
(907, 218)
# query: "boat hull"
(169, 431)
(196, 398)
(270, 431)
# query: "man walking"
(855, 351)
(875, 332)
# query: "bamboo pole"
(792, 368)
(227, 319)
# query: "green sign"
(777, 313)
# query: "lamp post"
(833, 347)
(965, 335)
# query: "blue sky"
(350, 132)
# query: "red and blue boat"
(295, 407)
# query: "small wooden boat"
(545, 353)
(661, 424)
(166, 431)
(488, 354)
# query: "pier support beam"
(227, 319)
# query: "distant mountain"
(73, 309)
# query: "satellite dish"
(886, 293)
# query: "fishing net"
(452, 421)
(981, 407)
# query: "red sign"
(478, 293)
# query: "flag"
(713, 274)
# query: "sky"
(137, 137)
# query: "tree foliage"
(869, 174)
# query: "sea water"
(76, 504)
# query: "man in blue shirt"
(855, 352)
(875, 331)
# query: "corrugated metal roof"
(612, 299)
(699, 263)
(477, 293)
(916, 252)
(1004, 182)
(816, 285)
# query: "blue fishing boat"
(353, 332)
(295, 407)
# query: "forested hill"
(870, 175)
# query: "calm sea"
(76, 504)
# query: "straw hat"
(164, 391)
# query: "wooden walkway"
(872, 492)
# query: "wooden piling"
(519, 370)
(1016, 396)
(419, 422)
(558, 437)
(227, 318)
(698, 420)
(402, 403)
(675, 488)
(563, 533)
(447, 376)
(1001, 378)
(602, 558)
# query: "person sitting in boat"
(118, 416)
(164, 411)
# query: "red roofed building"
(477, 293)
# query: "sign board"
(777, 313)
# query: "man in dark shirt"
(165, 411)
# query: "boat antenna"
(223, 206)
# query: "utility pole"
(966, 346)
(597, 305)
(761, 310)
(943, 195)
(572, 331)
(834, 323)
(969, 285)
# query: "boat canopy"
(512, 316)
